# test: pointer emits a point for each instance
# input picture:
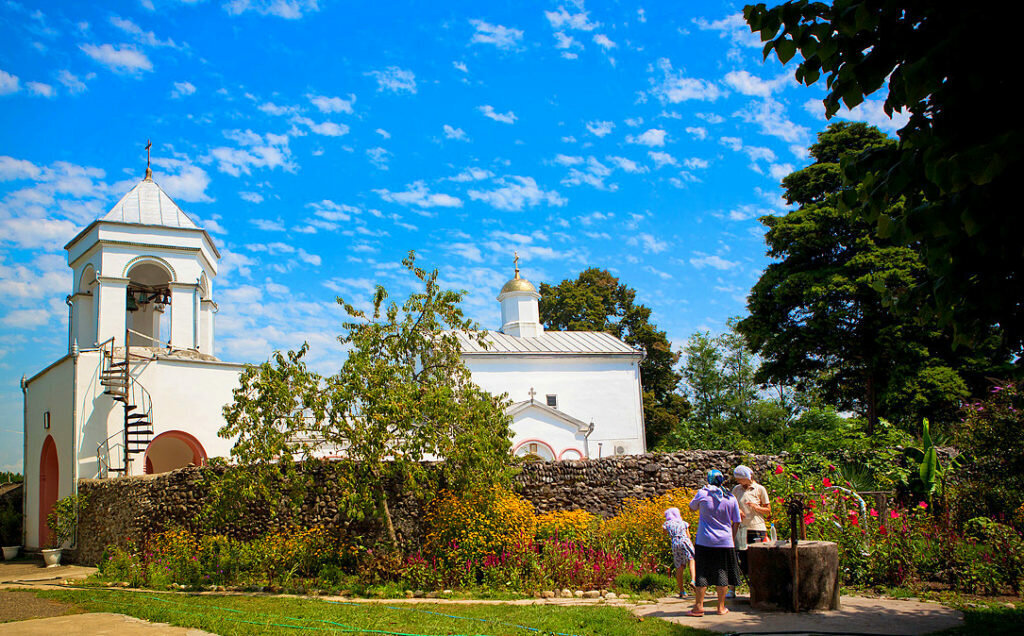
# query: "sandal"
(694, 614)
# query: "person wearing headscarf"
(682, 548)
(754, 507)
(715, 554)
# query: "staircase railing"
(137, 432)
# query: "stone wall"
(132, 508)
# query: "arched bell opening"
(534, 450)
(149, 294)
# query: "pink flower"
(826, 482)
(808, 518)
(873, 512)
(778, 469)
(831, 467)
(922, 505)
(893, 514)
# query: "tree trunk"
(387, 519)
(871, 396)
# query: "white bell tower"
(520, 310)
(143, 271)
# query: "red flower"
(778, 469)
(882, 530)
(808, 518)
(826, 482)
(853, 518)
(922, 506)
(831, 467)
(873, 512)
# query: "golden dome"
(518, 285)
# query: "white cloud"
(717, 262)
(383, 133)
(648, 242)
(500, 36)
(267, 225)
(662, 159)
(39, 89)
(711, 118)
(186, 181)
(489, 112)
(182, 89)
(306, 257)
(378, 157)
(732, 27)
(699, 132)
(652, 137)
(750, 84)
(600, 128)
(123, 59)
(460, 66)
(626, 165)
(694, 163)
(455, 133)
(675, 87)
(146, 38)
(12, 169)
(251, 197)
(256, 151)
(870, 111)
(469, 251)
(8, 83)
(26, 318)
(770, 116)
(515, 193)
(333, 104)
(69, 80)
(780, 170)
(566, 43)
(417, 194)
(602, 40)
(271, 108)
(395, 79)
(472, 174)
(287, 9)
(593, 173)
(562, 19)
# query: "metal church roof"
(148, 204)
(549, 342)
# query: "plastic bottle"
(772, 536)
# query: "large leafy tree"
(950, 186)
(597, 301)
(818, 317)
(403, 396)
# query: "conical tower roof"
(148, 204)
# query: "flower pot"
(11, 552)
(52, 557)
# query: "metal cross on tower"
(532, 393)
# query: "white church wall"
(602, 389)
(47, 392)
(544, 428)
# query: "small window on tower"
(553, 401)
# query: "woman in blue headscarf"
(715, 553)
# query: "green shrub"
(654, 582)
(629, 582)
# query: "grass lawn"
(277, 615)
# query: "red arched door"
(49, 482)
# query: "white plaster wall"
(48, 391)
(189, 396)
(558, 434)
(602, 389)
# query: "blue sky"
(319, 141)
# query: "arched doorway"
(49, 483)
(171, 450)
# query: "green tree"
(818, 317)
(402, 397)
(950, 187)
(597, 301)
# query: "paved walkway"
(857, 615)
(860, 615)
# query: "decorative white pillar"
(111, 309)
(206, 336)
(183, 315)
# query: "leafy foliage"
(63, 520)
(818, 315)
(946, 187)
(403, 396)
(597, 301)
